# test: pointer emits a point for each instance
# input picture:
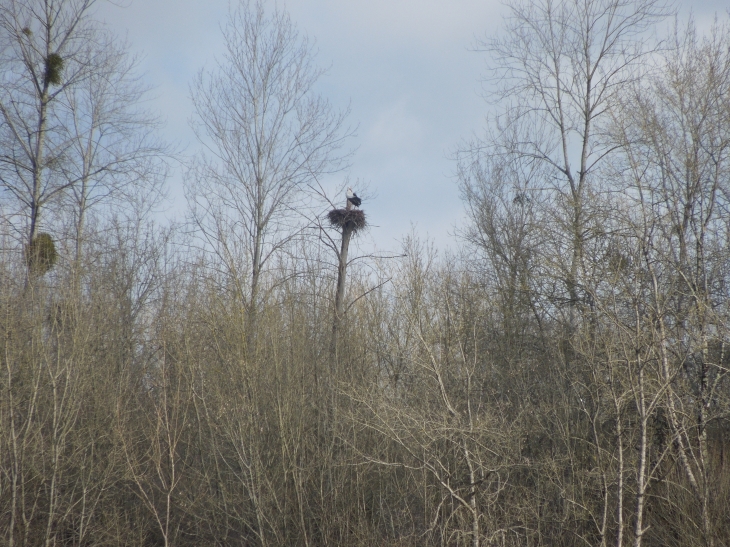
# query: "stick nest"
(342, 218)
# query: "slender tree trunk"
(14, 447)
(704, 399)
(37, 162)
(704, 457)
(252, 312)
(340, 294)
(81, 221)
(641, 472)
(475, 531)
(37, 165)
(620, 477)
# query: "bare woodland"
(561, 380)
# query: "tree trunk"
(340, 294)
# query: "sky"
(407, 70)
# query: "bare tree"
(545, 220)
(112, 152)
(46, 49)
(267, 133)
(558, 68)
(676, 156)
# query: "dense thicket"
(564, 382)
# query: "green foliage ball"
(41, 254)
(54, 67)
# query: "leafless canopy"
(267, 134)
(572, 389)
(74, 132)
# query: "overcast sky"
(405, 67)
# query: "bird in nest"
(352, 197)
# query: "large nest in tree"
(353, 219)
